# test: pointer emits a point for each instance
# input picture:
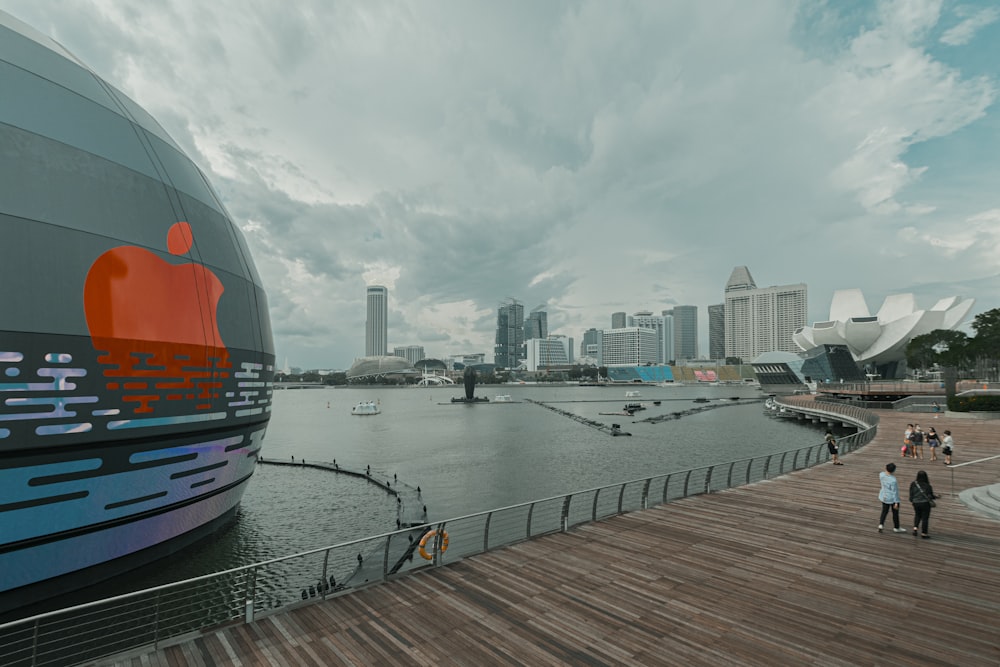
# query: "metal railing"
(150, 617)
(967, 463)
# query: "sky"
(590, 157)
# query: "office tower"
(629, 346)
(508, 352)
(685, 332)
(663, 329)
(553, 351)
(760, 320)
(412, 353)
(376, 324)
(618, 321)
(717, 331)
(536, 325)
(591, 344)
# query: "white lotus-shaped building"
(881, 339)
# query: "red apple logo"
(156, 324)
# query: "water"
(465, 458)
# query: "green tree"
(984, 348)
(940, 347)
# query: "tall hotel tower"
(509, 351)
(760, 320)
(376, 324)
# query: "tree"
(984, 348)
(939, 347)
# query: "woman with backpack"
(922, 497)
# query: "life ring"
(427, 536)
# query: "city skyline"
(591, 157)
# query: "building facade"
(717, 331)
(618, 320)
(664, 328)
(631, 346)
(591, 344)
(759, 320)
(508, 351)
(376, 323)
(536, 325)
(548, 352)
(412, 353)
(685, 332)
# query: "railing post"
(593, 512)
(565, 513)
(767, 465)
(781, 466)
(729, 477)
(385, 558)
(708, 479)
(531, 510)
(621, 498)
(645, 494)
(247, 598)
(687, 478)
(326, 563)
(486, 532)
(749, 465)
(666, 485)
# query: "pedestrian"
(889, 495)
(834, 448)
(922, 497)
(947, 447)
(917, 438)
(933, 441)
(907, 442)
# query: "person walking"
(907, 447)
(917, 437)
(889, 495)
(834, 448)
(933, 441)
(922, 498)
(947, 447)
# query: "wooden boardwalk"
(784, 572)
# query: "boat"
(616, 430)
(366, 408)
(136, 354)
(502, 398)
(701, 400)
(632, 394)
(634, 407)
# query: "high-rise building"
(591, 344)
(508, 352)
(760, 320)
(548, 352)
(685, 332)
(663, 327)
(536, 325)
(376, 324)
(629, 346)
(618, 320)
(412, 353)
(717, 331)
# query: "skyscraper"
(663, 329)
(629, 346)
(717, 331)
(618, 320)
(376, 324)
(760, 320)
(591, 345)
(508, 352)
(685, 332)
(536, 325)
(412, 353)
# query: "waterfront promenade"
(789, 571)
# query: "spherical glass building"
(136, 355)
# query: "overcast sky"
(590, 156)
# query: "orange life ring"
(427, 536)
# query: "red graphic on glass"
(155, 323)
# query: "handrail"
(962, 465)
(92, 630)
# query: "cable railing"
(952, 467)
(153, 616)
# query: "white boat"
(365, 408)
(502, 398)
(632, 394)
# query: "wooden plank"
(785, 571)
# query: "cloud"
(594, 157)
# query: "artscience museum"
(878, 342)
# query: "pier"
(786, 571)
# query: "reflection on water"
(466, 458)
